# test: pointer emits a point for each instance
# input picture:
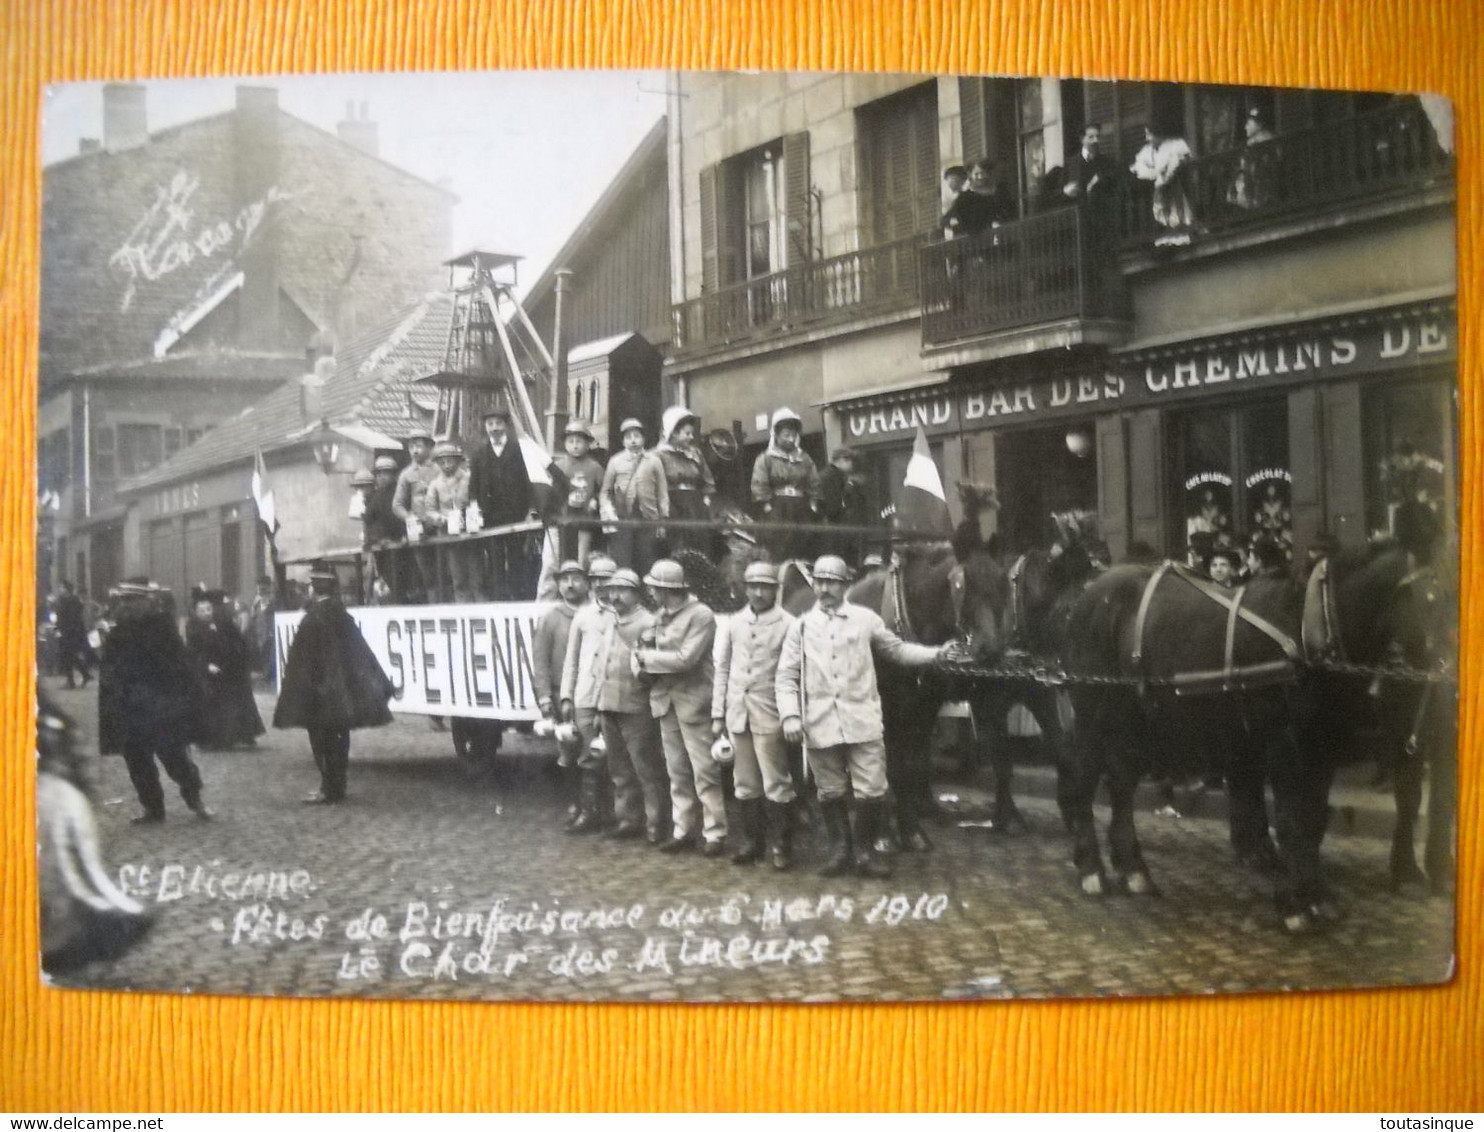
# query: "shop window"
(899, 157)
(1042, 473)
(1233, 481)
(1406, 432)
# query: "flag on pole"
(262, 494)
(923, 504)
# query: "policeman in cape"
(332, 684)
(146, 698)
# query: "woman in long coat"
(332, 685)
(226, 713)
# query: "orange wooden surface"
(1408, 1050)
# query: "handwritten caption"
(506, 938)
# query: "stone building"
(185, 273)
(1288, 349)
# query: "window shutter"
(972, 118)
(731, 220)
(1146, 461)
(796, 212)
(1112, 455)
(926, 174)
(1303, 464)
(1345, 476)
(710, 234)
(1134, 104)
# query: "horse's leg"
(1125, 769)
(1300, 774)
(1407, 769)
(1247, 807)
(1442, 806)
(1004, 813)
(1087, 770)
(1057, 722)
(909, 754)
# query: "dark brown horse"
(935, 593)
(1392, 604)
(1150, 627)
(1044, 586)
(1270, 717)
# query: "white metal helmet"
(761, 573)
(831, 567)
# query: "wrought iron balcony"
(1321, 168)
(838, 290)
(1041, 270)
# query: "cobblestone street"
(436, 882)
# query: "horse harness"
(1230, 675)
(894, 602)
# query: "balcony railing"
(841, 289)
(1306, 170)
(1043, 269)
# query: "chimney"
(358, 130)
(256, 159)
(125, 125)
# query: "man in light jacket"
(630, 733)
(678, 658)
(744, 703)
(827, 698)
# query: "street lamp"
(325, 444)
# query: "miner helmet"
(601, 566)
(447, 448)
(384, 464)
(624, 577)
(362, 478)
(761, 574)
(831, 567)
(666, 574)
(571, 566)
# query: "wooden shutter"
(1307, 492)
(1112, 455)
(1344, 463)
(1146, 461)
(710, 232)
(731, 223)
(925, 168)
(972, 117)
(796, 211)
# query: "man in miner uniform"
(745, 703)
(678, 657)
(827, 698)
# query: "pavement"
(438, 881)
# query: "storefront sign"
(1368, 349)
(1276, 361)
(459, 660)
(224, 489)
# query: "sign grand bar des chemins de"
(1166, 375)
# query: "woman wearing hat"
(226, 713)
(332, 684)
(447, 496)
(634, 487)
(688, 477)
(785, 484)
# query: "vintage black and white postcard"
(716, 536)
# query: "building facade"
(1282, 358)
(185, 273)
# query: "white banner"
(453, 660)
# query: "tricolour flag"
(923, 504)
(262, 494)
